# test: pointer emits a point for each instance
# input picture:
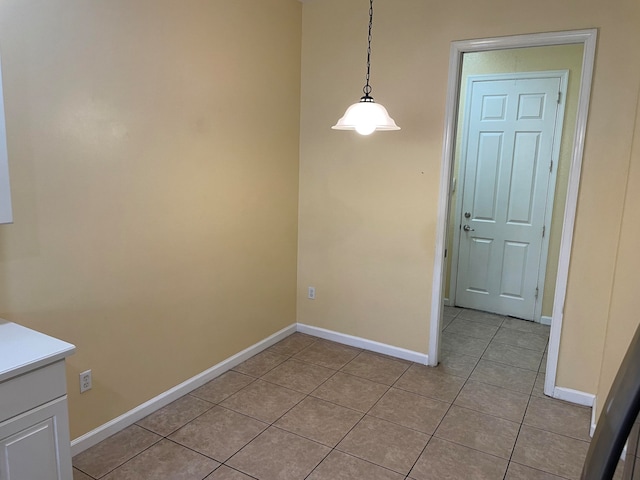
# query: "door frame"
(587, 38)
(563, 75)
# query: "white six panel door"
(507, 153)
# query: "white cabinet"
(6, 215)
(34, 423)
(35, 445)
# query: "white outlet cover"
(85, 381)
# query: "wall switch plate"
(85, 381)
(311, 294)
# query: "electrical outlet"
(311, 294)
(85, 381)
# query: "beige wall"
(368, 205)
(365, 232)
(624, 315)
(557, 57)
(153, 149)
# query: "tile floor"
(307, 408)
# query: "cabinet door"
(35, 445)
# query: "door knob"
(467, 214)
(467, 228)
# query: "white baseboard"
(447, 302)
(544, 320)
(371, 345)
(114, 426)
(574, 396)
(104, 431)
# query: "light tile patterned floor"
(311, 409)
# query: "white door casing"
(588, 39)
(510, 146)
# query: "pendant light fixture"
(366, 116)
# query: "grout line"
(389, 387)
(520, 346)
(450, 405)
(214, 405)
(458, 394)
(195, 451)
(272, 424)
(306, 395)
(269, 424)
(354, 426)
(529, 400)
(231, 468)
(541, 471)
(518, 434)
(521, 423)
(136, 455)
(555, 433)
(510, 365)
(491, 414)
(373, 381)
(253, 380)
(82, 471)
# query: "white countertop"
(23, 350)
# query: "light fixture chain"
(367, 87)
(366, 116)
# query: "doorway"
(587, 40)
(504, 183)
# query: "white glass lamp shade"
(365, 117)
